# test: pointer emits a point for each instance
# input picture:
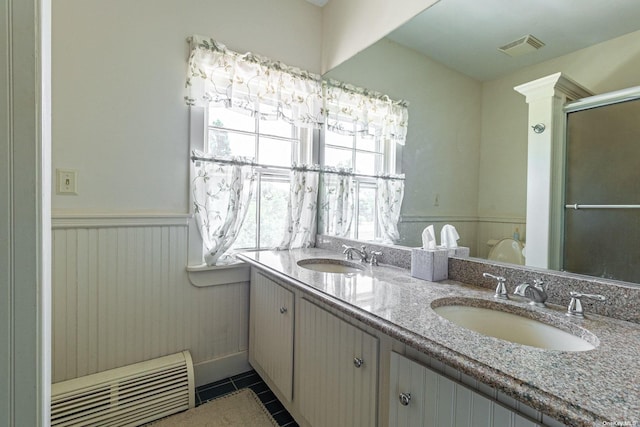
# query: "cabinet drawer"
(419, 396)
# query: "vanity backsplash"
(622, 299)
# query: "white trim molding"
(25, 231)
(104, 220)
(202, 276)
(440, 218)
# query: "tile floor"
(247, 380)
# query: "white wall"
(119, 69)
(121, 290)
(443, 140)
(350, 26)
(605, 67)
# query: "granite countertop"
(582, 388)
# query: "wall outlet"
(67, 181)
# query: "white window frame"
(391, 154)
(302, 152)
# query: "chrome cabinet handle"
(357, 362)
(283, 310)
(405, 398)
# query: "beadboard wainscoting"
(121, 295)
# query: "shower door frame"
(596, 101)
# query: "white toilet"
(507, 250)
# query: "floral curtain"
(390, 194)
(373, 113)
(253, 84)
(302, 209)
(337, 205)
(221, 195)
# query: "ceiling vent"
(522, 46)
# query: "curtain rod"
(290, 168)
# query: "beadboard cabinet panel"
(121, 295)
(337, 368)
(271, 332)
(419, 396)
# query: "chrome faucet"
(371, 258)
(536, 292)
(350, 250)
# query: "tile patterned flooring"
(247, 380)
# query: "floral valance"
(372, 113)
(248, 82)
(273, 90)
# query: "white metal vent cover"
(522, 46)
(127, 396)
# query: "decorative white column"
(25, 216)
(545, 166)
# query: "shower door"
(602, 191)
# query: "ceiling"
(318, 2)
(465, 34)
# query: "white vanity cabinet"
(271, 321)
(336, 370)
(419, 396)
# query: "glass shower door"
(602, 228)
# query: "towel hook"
(539, 128)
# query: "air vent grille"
(127, 396)
(522, 46)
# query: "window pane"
(274, 199)
(275, 152)
(337, 157)
(369, 144)
(367, 163)
(332, 138)
(247, 235)
(224, 117)
(277, 128)
(228, 143)
(366, 214)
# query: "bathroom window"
(274, 145)
(343, 147)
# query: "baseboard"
(224, 367)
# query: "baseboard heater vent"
(129, 396)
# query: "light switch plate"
(67, 181)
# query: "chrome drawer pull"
(405, 398)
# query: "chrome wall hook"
(539, 128)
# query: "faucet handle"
(501, 289)
(575, 306)
(374, 257)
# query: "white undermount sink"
(512, 327)
(328, 265)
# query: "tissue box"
(460, 251)
(430, 264)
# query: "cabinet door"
(418, 396)
(337, 373)
(271, 332)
